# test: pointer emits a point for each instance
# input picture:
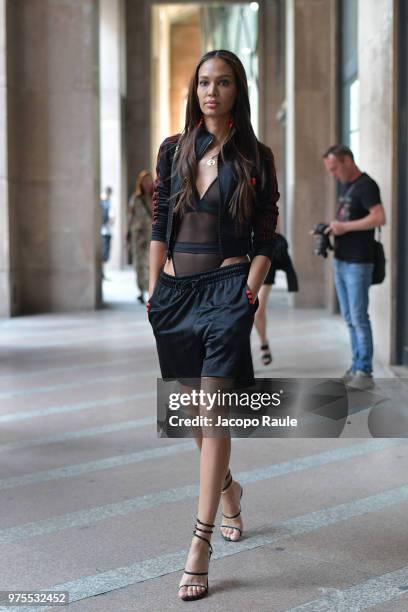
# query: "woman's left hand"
(259, 269)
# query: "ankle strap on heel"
(205, 525)
(210, 531)
(204, 540)
(229, 483)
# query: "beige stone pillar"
(5, 264)
(272, 90)
(311, 123)
(377, 50)
(138, 101)
(53, 149)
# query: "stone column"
(311, 128)
(53, 149)
(377, 59)
(5, 264)
(272, 90)
(138, 101)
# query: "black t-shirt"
(355, 200)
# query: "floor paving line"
(14, 417)
(40, 355)
(88, 331)
(87, 340)
(161, 565)
(79, 384)
(79, 469)
(80, 433)
(93, 326)
(40, 349)
(16, 335)
(10, 393)
(366, 594)
(66, 408)
(109, 363)
(94, 515)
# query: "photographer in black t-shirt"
(359, 212)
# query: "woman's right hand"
(157, 259)
(151, 291)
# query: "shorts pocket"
(155, 292)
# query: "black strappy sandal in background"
(210, 550)
(227, 486)
(266, 354)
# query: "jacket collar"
(203, 140)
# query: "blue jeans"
(352, 282)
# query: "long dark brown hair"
(240, 149)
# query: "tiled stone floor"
(94, 503)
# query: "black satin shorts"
(202, 324)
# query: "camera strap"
(345, 196)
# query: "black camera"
(322, 242)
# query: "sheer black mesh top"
(196, 247)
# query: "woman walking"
(214, 202)
(139, 229)
(281, 261)
(261, 320)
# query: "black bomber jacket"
(257, 237)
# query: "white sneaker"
(347, 376)
(361, 381)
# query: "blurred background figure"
(260, 322)
(107, 223)
(139, 229)
(281, 261)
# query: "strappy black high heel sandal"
(266, 354)
(227, 486)
(210, 550)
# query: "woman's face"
(216, 88)
(147, 184)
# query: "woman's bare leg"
(261, 324)
(192, 411)
(260, 321)
(214, 461)
(231, 497)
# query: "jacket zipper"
(219, 218)
(171, 227)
